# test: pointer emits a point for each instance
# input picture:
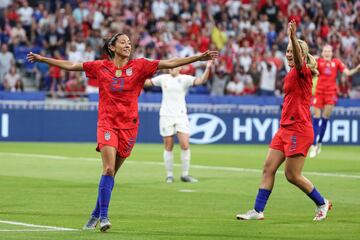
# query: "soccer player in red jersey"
(121, 80)
(326, 94)
(295, 135)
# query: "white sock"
(168, 160)
(185, 159)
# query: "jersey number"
(117, 84)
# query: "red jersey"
(328, 71)
(297, 89)
(119, 89)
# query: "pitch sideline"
(43, 228)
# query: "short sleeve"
(188, 80)
(92, 68)
(156, 81)
(341, 65)
(149, 67)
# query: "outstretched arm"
(204, 77)
(63, 64)
(351, 72)
(298, 61)
(177, 62)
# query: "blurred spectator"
(18, 35)
(218, 36)
(53, 40)
(80, 13)
(26, 13)
(159, 8)
(255, 74)
(74, 87)
(6, 60)
(267, 79)
(343, 87)
(241, 83)
(271, 10)
(219, 80)
(42, 77)
(56, 78)
(12, 81)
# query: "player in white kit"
(173, 116)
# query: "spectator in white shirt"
(6, 61)
(159, 8)
(12, 81)
(267, 79)
(25, 14)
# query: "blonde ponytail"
(310, 59)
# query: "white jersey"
(174, 90)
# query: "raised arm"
(298, 61)
(351, 72)
(204, 77)
(177, 62)
(63, 64)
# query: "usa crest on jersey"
(128, 72)
(107, 136)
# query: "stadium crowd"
(250, 35)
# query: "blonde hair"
(310, 59)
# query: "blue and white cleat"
(104, 224)
(91, 223)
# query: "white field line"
(216, 168)
(43, 227)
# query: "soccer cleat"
(104, 224)
(91, 223)
(322, 210)
(251, 215)
(188, 178)
(312, 151)
(170, 180)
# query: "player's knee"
(292, 177)
(268, 172)
(184, 146)
(109, 171)
(169, 147)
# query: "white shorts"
(169, 126)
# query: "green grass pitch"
(55, 184)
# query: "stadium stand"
(248, 34)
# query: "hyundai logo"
(206, 128)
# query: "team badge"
(332, 64)
(107, 136)
(118, 73)
(129, 72)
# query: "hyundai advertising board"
(207, 126)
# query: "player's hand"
(209, 63)
(208, 55)
(291, 28)
(32, 57)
